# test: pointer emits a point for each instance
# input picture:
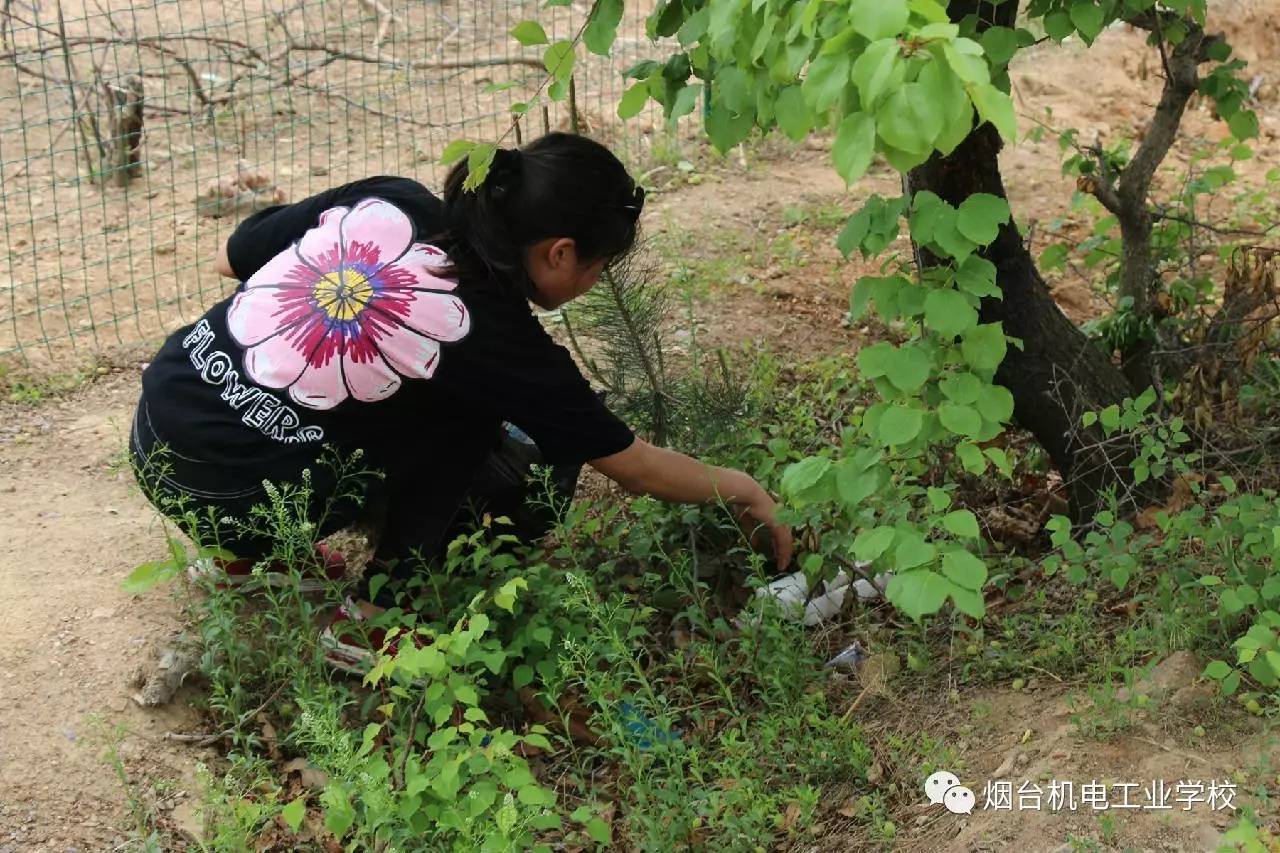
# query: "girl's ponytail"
(560, 185)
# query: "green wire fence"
(135, 135)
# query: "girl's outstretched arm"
(671, 476)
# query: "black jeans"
(415, 526)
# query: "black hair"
(559, 185)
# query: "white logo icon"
(943, 788)
(935, 787)
(959, 800)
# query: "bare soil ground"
(72, 642)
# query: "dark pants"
(415, 524)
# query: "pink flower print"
(348, 310)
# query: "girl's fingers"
(782, 545)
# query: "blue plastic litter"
(643, 730)
(849, 658)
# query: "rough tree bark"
(1057, 374)
(1126, 196)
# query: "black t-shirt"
(341, 333)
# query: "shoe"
(329, 566)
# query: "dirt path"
(70, 639)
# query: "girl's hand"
(763, 511)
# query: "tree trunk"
(1057, 374)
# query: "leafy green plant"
(937, 397)
(433, 770)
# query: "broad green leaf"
(931, 10)
(948, 313)
(694, 28)
(795, 119)
(664, 21)
(1217, 670)
(859, 295)
(960, 419)
(455, 151)
(529, 33)
(977, 275)
(964, 570)
(939, 499)
(969, 602)
(147, 575)
(851, 236)
(1054, 256)
(1000, 44)
(826, 80)
(841, 42)
(878, 19)
(466, 694)
(961, 387)
(919, 593)
(602, 27)
(724, 129)
(946, 91)
(1110, 418)
(875, 70)
(683, 103)
(900, 424)
(971, 458)
(908, 367)
(969, 67)
(873, 361)
(600, 832)
(535, 795)
(804, 474)
(980, 216)
(1057, 24)
(479, 159)
(912, 552)
(1230, 683)
(908, 120)
(926, 208)
(338, 814)
(855, 145)
(910, 299)
(633, 100)
(948, 238)
(558, 59)
(903, 161)
(984, 346)
(1230, 602)
(1243, 125)
(961, 522)
(723, 22)
(294, 813)
(995, 403)
(870, 544)
(521, 676)
(957, 127)
(854, 485)
(1087, 17)
(996, 107)
(888, 293)
(735, 88)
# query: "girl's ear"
(562, 254)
